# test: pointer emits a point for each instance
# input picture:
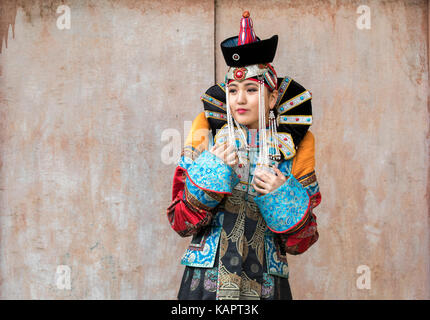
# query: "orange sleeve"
(304, 161)
(198, 135)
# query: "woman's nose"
(241, 98)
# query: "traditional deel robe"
(233, 254)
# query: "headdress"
(249, 57)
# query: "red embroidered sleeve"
(302, 239)
(186, 217)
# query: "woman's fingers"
(228, 153)
(218, 148)
(231, 157)
(279, 173)
(262, 175)
(232, 162)
(230, 148)
(261, 183)
(223, 147)
(258, 189)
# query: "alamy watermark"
(364, 280)
(363, 21)
(63, 280)
(63, 21)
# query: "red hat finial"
(246, 33)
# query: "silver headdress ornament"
(260, 72)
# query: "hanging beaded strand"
(231, 137)
(242, 134)
(274, 137)
(230, 125)
(263, 159)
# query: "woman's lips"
(240, 111)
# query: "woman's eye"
(234, 91)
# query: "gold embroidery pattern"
(231, 285)
(257, 240)
(223, 243)
(308, 179)
(250, 289)
(252, 210)
(190, 152)
(238, 227)
(234, 202)
(228, 284)
(194, 202)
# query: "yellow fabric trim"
(304, 161)
(199, 133)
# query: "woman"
(245, 185)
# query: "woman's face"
(243, 100)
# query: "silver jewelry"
(273, 138)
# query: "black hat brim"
(262, 51)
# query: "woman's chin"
(249, 124)
(243, 122)
(242, 119)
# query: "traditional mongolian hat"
(249, 57)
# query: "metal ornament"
(273, 138)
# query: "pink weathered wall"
(87, 114)
(371, 123)
(82, 114)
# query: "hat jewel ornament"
(246, 32)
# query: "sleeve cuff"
(210, 173)
(201, 198)
(285, 208)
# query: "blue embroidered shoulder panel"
(210, 173)
(284, 207)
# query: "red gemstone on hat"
(297, 119)
(291, 103)
(239, 74)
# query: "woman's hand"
(265, 182)
(225, 153)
